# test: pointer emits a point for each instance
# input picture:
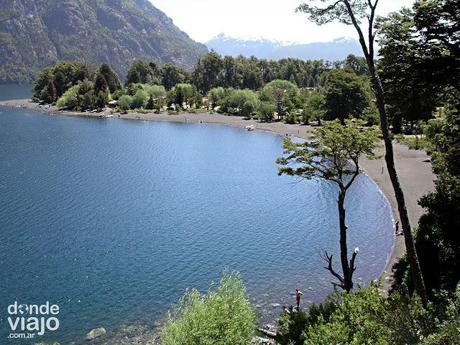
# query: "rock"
(96, 333)
(262, 341)
(275, 305)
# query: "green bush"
(216, 96)
(124, 103)
(139, 99)
(222, 316)
(69, 99)
(240, 102)
(155, 91)
(266, 111)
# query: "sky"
(270, 19)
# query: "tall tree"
(352, 12)
(113, 82)
(207, 72)
(345, 95)
(328, 156)
(408, 96)
(172, 75)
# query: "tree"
(408, 96)
(124, 103)
(351, 13)
(101, 83)
(207, 71)
(113, 82)
(240, 102)
(345, 95)
(142, 72)
(283, 94)
(60, 82)
(139, 100)
(222, 316)
(313, 108)
(172, 75)
(184, 95)
(357, 63)
(215, 96)
(328, 156)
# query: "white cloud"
(272, 19)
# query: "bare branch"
(328, 258)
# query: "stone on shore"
(96, 333)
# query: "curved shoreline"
(414, 167)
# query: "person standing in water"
(298, 296)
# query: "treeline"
(265, 90)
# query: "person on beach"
(298, 296)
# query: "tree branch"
(328, 258)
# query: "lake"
(113, 220)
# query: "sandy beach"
(414, 167)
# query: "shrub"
(235, 101)
(124, 103)
(69, 99)
(155, 91)
(266, 111)
(139, 99)
(222, 316)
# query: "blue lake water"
(15, 91)
(113, 220)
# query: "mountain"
(266, 49)
(38, 33)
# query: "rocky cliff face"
(38, 33)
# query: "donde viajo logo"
(27, 321)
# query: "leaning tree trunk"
(346, 269)
(412, 256)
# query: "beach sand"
(413, 167)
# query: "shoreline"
(413, 167)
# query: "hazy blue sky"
(273, 19)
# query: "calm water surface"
(113, 219)
(15, 91)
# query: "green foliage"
(139, 99)
(141, 72)
(52, 83)
(124, 103)
(111, 78)
(240, 102)
(346, 95)
(266, 111)
(283, 94)
(206, 73)
(407, 99)
(292, 325)
(172, 75)
(329, 153)
(155, 91)
(216, 96)
(313, 107)
(438, 238)
(223, 316)
(101, 83)
(184, 95)
(368, 317)
(414, 142)
(70, 98)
